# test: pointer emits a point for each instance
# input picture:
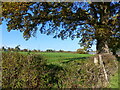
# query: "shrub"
(50, 50)
(61, 51)
(85, 74)
(22, 71)
(81, 51)
(30, 71)
(25, 50)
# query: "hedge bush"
(85, 74)
(32, 71)
(22, 71)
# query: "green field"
(59, 58)
(63, 57)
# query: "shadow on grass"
(73, 59)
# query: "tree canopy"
(94, 23)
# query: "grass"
(114, 81)
(61, 58)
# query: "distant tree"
(38, 50)
(12, 49)
(34, 50)
(25, 50)
(17, 48)
(50, 50)
(61, 50)
(29, 50)
(3, 48)
(81, 51)
(9, 49)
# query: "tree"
(34, 50)
(50, 50)
(3, 48)
(38, 51)
(25, 50)
(81, 51)
(61, 51)
(9, 49)
(94, 23)
(12, 49)
(17, 48)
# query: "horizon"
(39, 42)
(6, 47)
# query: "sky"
(40, 42)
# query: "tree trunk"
(102, 46)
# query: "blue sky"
(41, 41)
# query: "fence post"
(105, 73)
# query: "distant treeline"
(17, 49)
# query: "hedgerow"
(32, 71)
(22, 71)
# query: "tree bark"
(102, 46)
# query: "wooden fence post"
(105, 73)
